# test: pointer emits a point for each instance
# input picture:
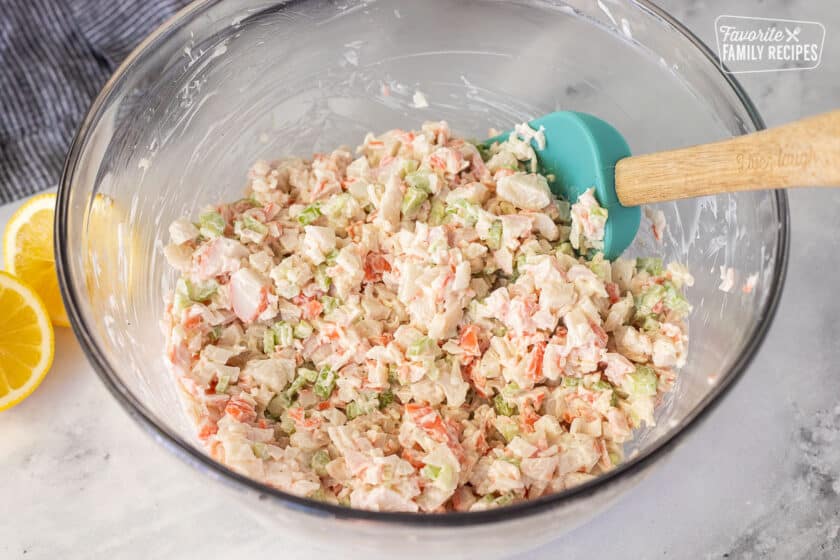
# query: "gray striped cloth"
(54, 57)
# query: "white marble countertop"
(759, 479)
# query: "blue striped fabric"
(54, 57)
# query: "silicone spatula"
(582, 151)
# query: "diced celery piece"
(303, 330)
(269, 341)
(325, 383)
(566, 248)
(494, 236)
(412, 201)
(309, 214)
(285, 334)
(322, 278)
(452, 207)
(309, 374)
(601, 385)
(295, 386)
(201, 292)
(465, 209)
(510, 390)
(181, 299)
(507, 427)
(512, 460)
(319, 462)
(215, 333)
(258, 448)
(222, 384)
(499, 330)
(331, 256)
(652, 265)
(385, 398)
(352, 410)
(393, 378)
(437, 213)
(420, 347)
(211, 224)
(648, 299)
(250, 201)
(484, 152)
(600, 267)
(650, 324)
(675, 301)
(409, 166)
(334, 205)
(571, 381)
(251, 223)
(418, 180)
(187, 292)
(446, 477)
(487, 499)
(287, 424)
(304, 376)
(644, 381)
(431, 471)
(329, 304)
(504, 499)
(615, 458)
(502, 406)
(277, 406)
(318, 495)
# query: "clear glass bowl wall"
(227, 83)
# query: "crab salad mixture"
(421, 326)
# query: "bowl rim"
(202, 462)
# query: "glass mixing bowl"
(227, 82)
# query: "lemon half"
(27, 341)
(28, 252)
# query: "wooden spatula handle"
(804, 153)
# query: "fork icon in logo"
(793, 35)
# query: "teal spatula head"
(581, 152)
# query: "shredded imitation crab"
(423, 326)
